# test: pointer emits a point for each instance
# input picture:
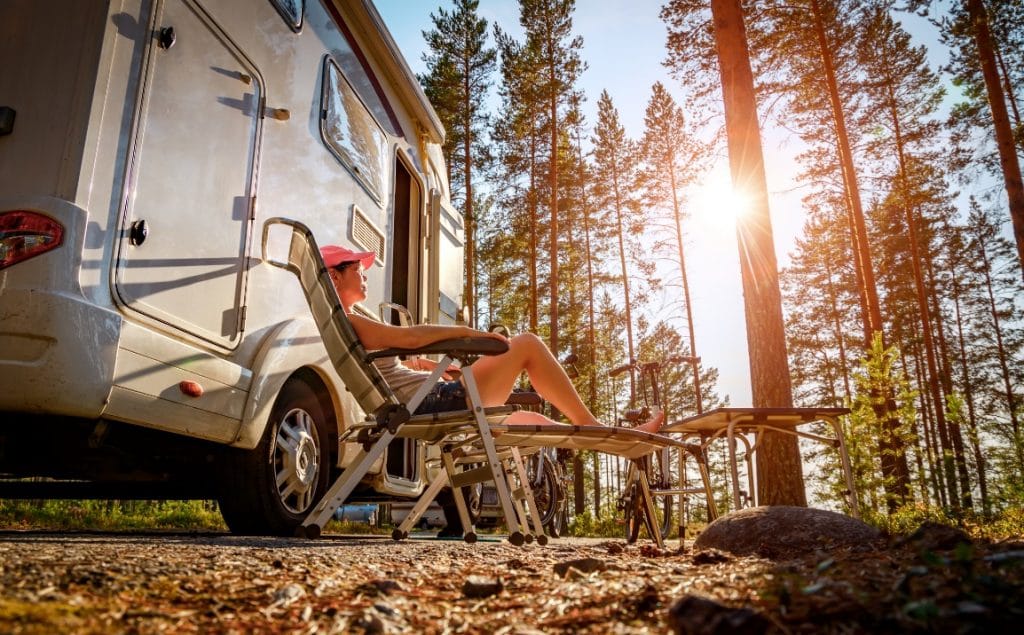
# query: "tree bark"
(923, 311)
(1000, 122)
(694, 362)
(894, 459)
(780, 473)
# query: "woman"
(495, 375)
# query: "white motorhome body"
(142, 144)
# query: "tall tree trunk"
(946, 381)
(694, 360)
(553, 243)
(625, 287)
(534, 230)
(894, 459)
(780, 474)
(972, 418)
(1010, 97)
(837, 330)
(1000, 122)
(923, 311)
(1004, 368)
(592, 346)
(468, 213)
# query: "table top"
(719, 418)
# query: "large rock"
(779, 532)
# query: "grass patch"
(111, 515)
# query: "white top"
(403, 380)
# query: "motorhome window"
(356, 70)
(351, 132)
(291, 11)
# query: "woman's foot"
(653, 424)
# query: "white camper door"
(189, 201)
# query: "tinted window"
(351, 132)
(291, 11)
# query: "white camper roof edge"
(409, 89)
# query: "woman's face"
(350, 284)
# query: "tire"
(636, 515)
(293, 451)
(548, 495)
(661, 479)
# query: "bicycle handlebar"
(648, 366)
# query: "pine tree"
(672, 160)
(459, 69)
(548, 26)
(969, 27)
(615, 168)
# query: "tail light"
(24, 235)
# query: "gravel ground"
(87, 583)
(156, 583)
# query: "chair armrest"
(456, 347)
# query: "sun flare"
(716, 205)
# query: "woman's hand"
(422, 363)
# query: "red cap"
(335, 255)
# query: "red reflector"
(27, 234)
(191, 388)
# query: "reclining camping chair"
(385, 414)
(466, 437)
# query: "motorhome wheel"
(273, 487)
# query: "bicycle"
(656, 467)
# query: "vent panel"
(366, 235)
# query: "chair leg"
(468, 531)
(342, 487)
(648, 500)
(531, 501)
(516, 536)
(422, 503)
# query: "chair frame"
(465, 436)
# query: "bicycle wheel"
(662, 479)
(634, 514)
(545, 490)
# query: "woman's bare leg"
(496, 376)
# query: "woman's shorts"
(446, 396)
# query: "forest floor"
(934, 581)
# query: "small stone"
(288, 595)
(380, 587)
(574, 574)
(477, 586)
(370, 622)
(584, 565)
(710, 556)
(614, 548)
(696, 615)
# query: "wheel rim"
(296, 460)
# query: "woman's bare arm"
(377, 335)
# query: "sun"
(715, 206)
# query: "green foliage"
(1005, 525)
(111, 515)
(907, 518)
(608, 524)
(876, 378)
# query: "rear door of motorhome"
(186, 225)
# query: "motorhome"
(145, 349)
